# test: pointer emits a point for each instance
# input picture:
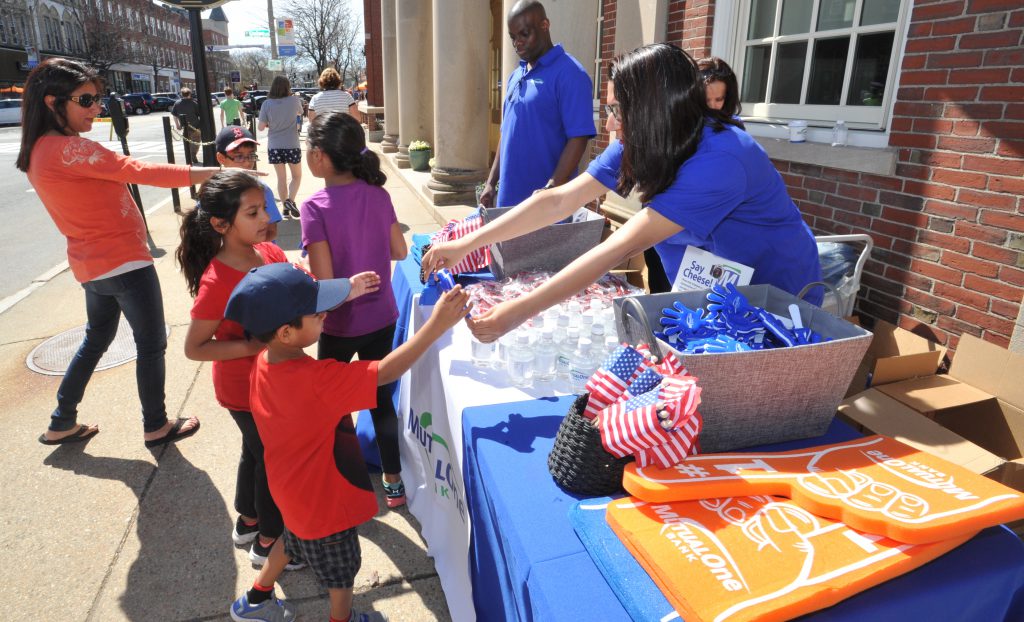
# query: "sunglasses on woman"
(85, 101)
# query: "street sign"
(258, 33)
(33, 56)
(285, 36)
(236, 76)
(275, 64)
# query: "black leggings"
(252, 494)
(371, 347)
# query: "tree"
(326, 33)
(107, 39)
(252, 64)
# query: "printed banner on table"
(874, 484)
(757, 558)
(432, 473)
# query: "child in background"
(221, 240)
(348, 227)
(236, 148)
(720, 86)
(301, 407)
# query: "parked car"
(220, 95)
(105, 104)
(163, 103)
(10, 112)
(135, 104)
(146, 97)
(254, 96)
(172, 96)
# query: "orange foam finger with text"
(874, 484)
(757, 558)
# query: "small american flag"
(633, 426)
(610, 381)
(476, 260)
(671, 366)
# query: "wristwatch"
(549, 185)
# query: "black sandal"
(174, 434)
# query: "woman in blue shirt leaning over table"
(703, 181)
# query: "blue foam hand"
(685, 322)
(724, 343)
(776, 328)
(444, 279)
(806, 336)
(728, 300)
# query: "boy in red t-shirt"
(301, 407)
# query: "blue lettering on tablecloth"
(447, 480)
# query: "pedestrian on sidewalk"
(331, 96)
(301, 407)
(348, 227)
(283, 149)
(83, 187)
(223, 238)
(231, 112)
(236, 148)
(186, 120)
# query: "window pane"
(870, 69)
(879, 12)
(834, 14)
(789, 73)
(762, 19)
(755, 73)
(828, 68)
(796, 17)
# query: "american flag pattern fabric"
(611, 380)
(632, 426)
(474, 261)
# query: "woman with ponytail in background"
(350, 227)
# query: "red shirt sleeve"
(347, 387)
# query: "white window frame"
(868, 127)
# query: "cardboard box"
(762, 396)
(895, 354)
(980, 403)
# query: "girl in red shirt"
(221, 240)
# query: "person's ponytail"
(200, 243)
(368, 169)
(342, 139)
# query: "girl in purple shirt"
(350, 227)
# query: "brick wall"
(607, 45)
(948, 227)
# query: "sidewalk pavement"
(109, 530)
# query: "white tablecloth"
(433, 395)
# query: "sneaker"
(367, 616)
(244, 534)
(394, 494)
(273, 610)
(290, 208)
(258, 556)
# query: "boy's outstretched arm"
(452, 307)
(362, 283)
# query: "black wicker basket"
(578, 461)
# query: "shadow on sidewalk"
(185, 564)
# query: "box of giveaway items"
(765, 384)
(550, 248)
(973, 416)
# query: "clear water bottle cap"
(574, 332)
(523, 338)
(547, 332)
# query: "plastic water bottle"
(582, 366)
(561, 328)
(586, 322)
(611, 344)
(839, 134)
(544, 355)
(481, 352)
(597, 343)
(565, 351)
(505, 343)
(520, 361)
(575, 310)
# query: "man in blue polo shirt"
(547, 117)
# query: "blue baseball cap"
(270, 296)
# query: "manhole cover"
(53, 356)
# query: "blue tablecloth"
(527, 562)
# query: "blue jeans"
(137, 295)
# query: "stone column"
(415, 76)
(461, 31)
(389, 70)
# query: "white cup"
(797, 131)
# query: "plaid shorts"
(284, 156)
(335, 560)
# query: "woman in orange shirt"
(82, 186)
